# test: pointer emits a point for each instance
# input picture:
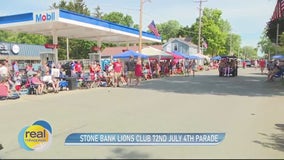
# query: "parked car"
(248, 63)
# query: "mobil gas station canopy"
(62, 23)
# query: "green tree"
(31, 38)
(77, 6)
(266, 46)
(169, 29)
(213, 31)
(136, 26)
(216, 32)
(233, 43)
(119, 18)
(7, 36)
(184, 31)
(248, 52)
(22, 38)
(98, 13)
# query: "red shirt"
(78, 67)
(117, 67)
(262, 63)
(92, 69)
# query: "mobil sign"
(45, 16)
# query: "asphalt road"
(247, 108)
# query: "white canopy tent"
(153, 52)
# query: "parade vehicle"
(228, 67)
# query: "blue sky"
(247, 17)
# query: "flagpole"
(140, 26)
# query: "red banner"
(52, 46)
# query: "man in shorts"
(130, 64)
(117, 67)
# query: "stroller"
(63, 84)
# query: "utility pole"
(230, 43)
(199, 29)
(140, 23)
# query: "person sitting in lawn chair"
(277, 71)
(5, 92)
(51, 81)
(37, 83)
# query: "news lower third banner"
(144, 139)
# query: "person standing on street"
(130, 64)
(262, 65)
(186, 67)
(193, 67)
(138, 71)
(117, 67)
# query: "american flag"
(154, 29)
(278, 11)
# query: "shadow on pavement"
(121, 153)
(276, 140)
(251, 85)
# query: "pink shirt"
(35, 80)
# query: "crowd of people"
(50, 77)
(13, 79)
(136, 69)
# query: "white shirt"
(47, 78)
(4, 70)
(55, 72)
(18, 80)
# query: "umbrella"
(175, 56)
(129, 53)
(180, 54)
(278, 56)
(193, 57)
(216, 58)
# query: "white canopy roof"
(62, 23)
(153, 52)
